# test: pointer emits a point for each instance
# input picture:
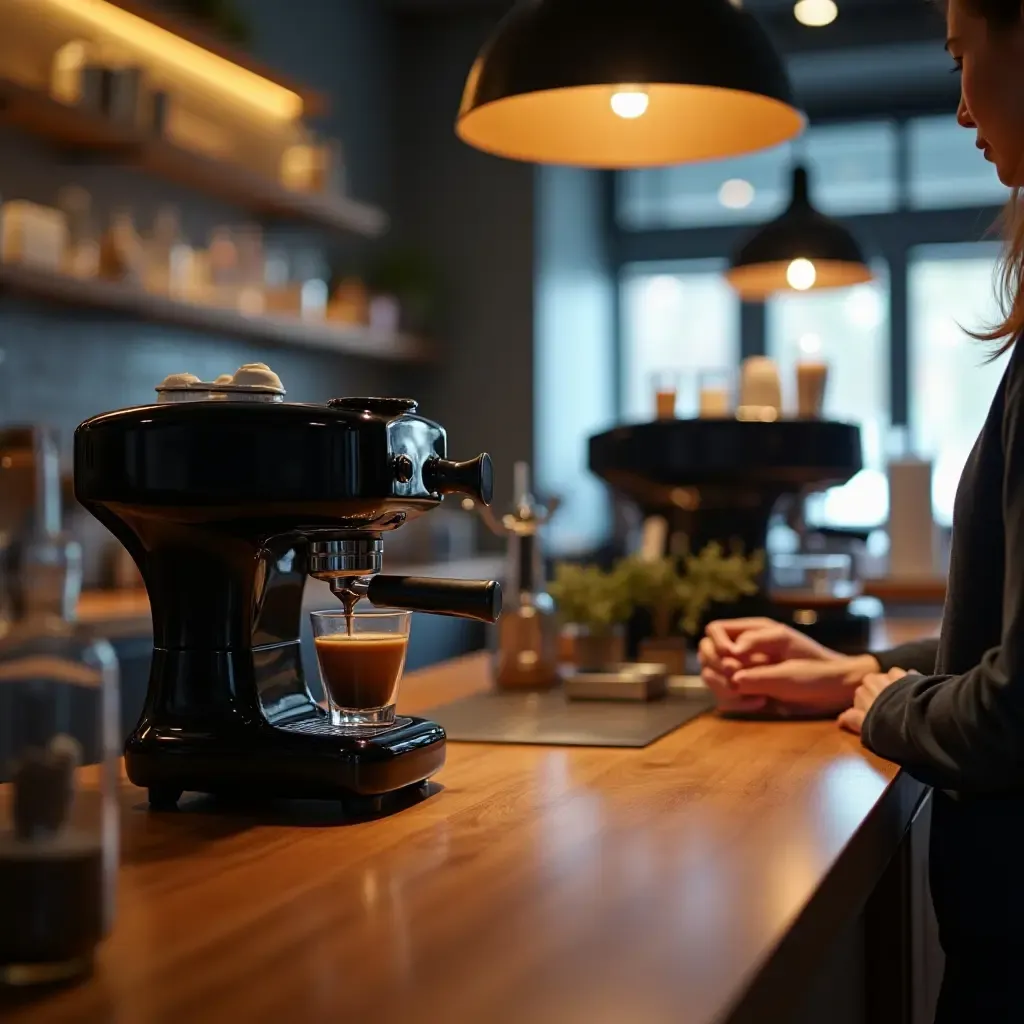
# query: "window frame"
(887, 236)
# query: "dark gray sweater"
(960, 726)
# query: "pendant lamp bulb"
(801, 274)
(630, 101)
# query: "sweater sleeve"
(966, 732)
(919, 656)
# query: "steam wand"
(527, 516)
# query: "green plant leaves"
(667, 587)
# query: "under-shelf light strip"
(186, 57)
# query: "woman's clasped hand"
(759, 666)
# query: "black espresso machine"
(228, 498)
(722, 479)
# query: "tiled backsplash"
(60, 367)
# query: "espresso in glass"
(361, 658)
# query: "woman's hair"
(1004, 14)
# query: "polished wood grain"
(696, 881)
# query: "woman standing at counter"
(950, 711)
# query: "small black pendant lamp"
(799, 251)
(627, 83)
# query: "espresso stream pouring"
(228, 498)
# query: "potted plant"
(658, 587)
(222, 17)
(597, 604)
(679, 591)
(412, 280)
(714, 577)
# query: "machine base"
(306, 759)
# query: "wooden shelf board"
(115, 297)
(39, 114)
(181, 25)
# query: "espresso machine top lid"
(227, 442)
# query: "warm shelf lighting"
(183, 57)
(816, 13)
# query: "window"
(848, 329)
(683, 318)
(697, 195)
(945, 167)
(853, 169)
(951, 289)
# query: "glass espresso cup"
(361, 659)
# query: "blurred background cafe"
(192, 187)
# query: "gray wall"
(575, 373)
(474, 215)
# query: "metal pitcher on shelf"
(526, 657)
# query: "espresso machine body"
(227, 501)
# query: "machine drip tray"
(551, 719)
(322, 727)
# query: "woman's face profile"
(991, 61)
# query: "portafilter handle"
(479, 600)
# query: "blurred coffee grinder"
(526, 657)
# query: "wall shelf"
(114, 297)
(38, 114)
(187, 28)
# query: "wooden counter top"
(691, 882)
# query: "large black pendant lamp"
(799, 251)
(627, 83)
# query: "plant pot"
(669, 651)
(595, 651)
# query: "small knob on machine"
(474, 478)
